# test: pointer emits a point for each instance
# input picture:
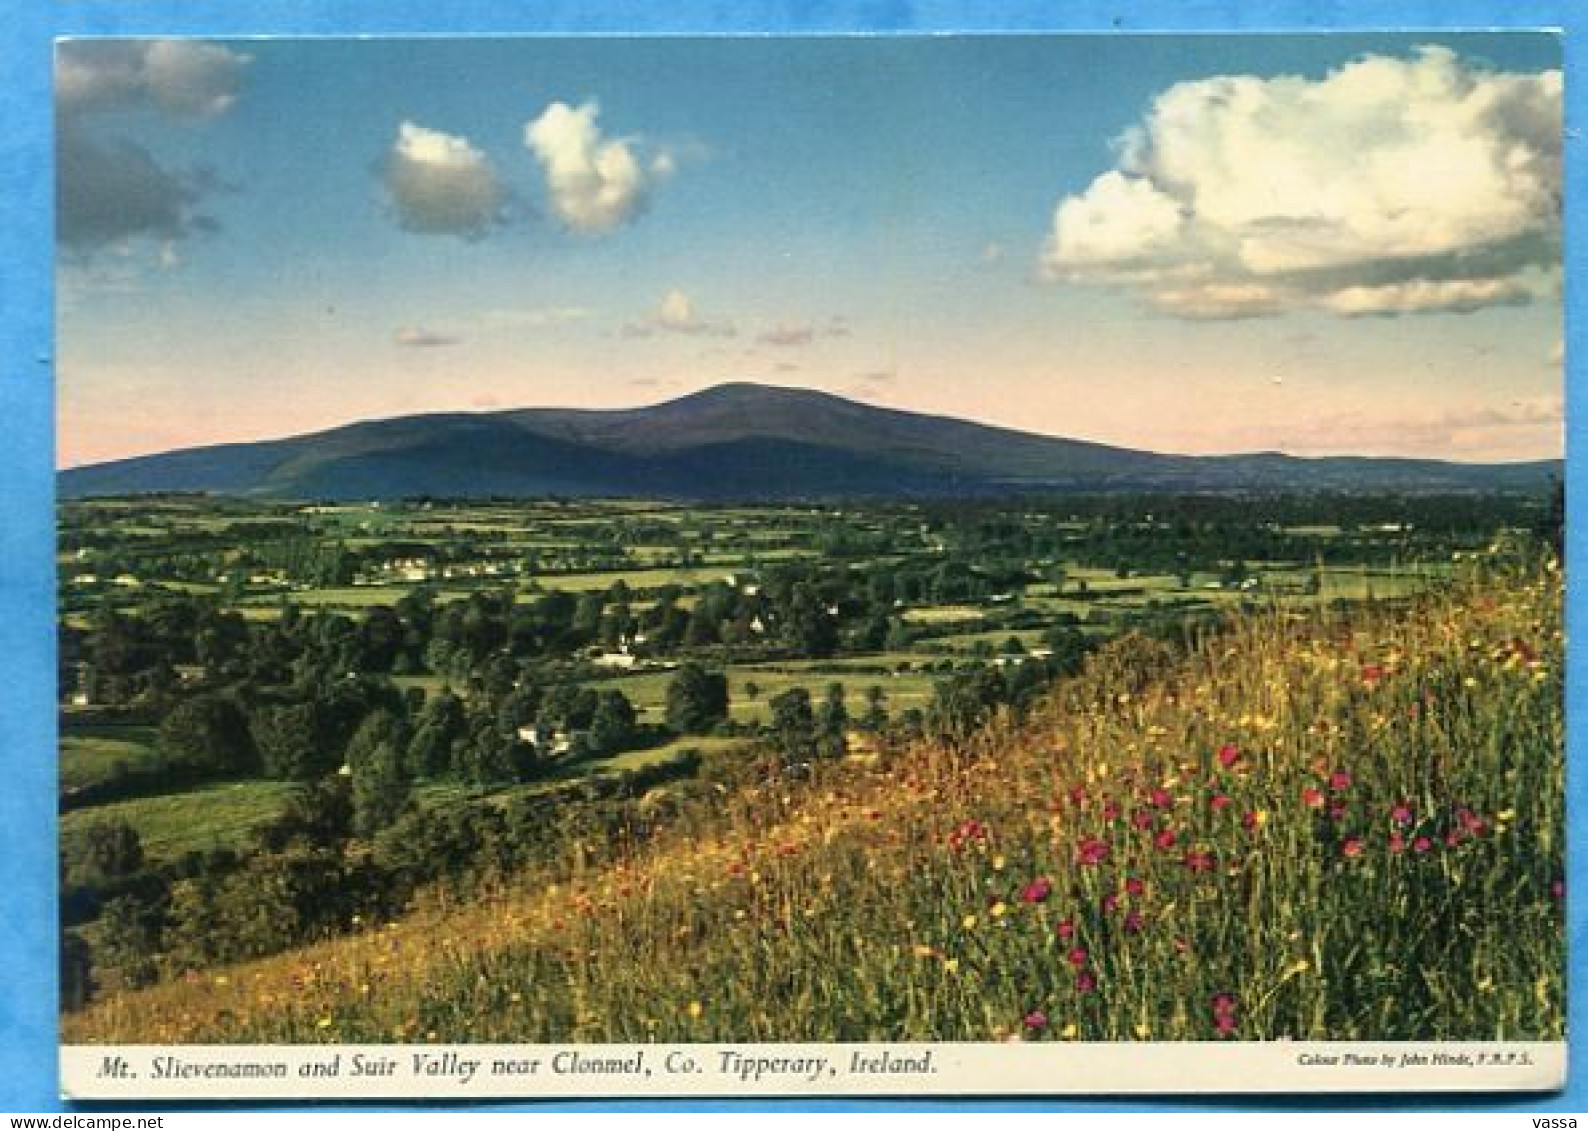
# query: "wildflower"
(1224, 1013)
(1253, 819)
(1037, 890)
(950, 965)
(1219, 802)
(1160, 799)
(1397, 843)
(998, 863)
(1133, 922)
(999, 909)
(1198, 860)
(1402, 814)
(1110, 904)
(1077, 956)
(1136, 887)
(1229, 754)
(1351, 847)
(1339, 781)
(1092, 851)
(1312, 797)
(1069, 1031)
(968, 923)
(1558, 889)
(1372, 673)
(1166, 839)
(1036, 1020)
(695, 1009)
(1421, 845)
(1065, 929)
(1141, 819)
(1084, 982)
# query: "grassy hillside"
(1330, 826)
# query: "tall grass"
(1342, 825)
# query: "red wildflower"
(1312, 797)
(1110, 811)
(1037, 890)
(1036, 1019)
(1224, 1024)
(1141, 818)
(1166, 839)
(1160, 799)
(1135, 887)
(1084, 982)
(1200, 861)
(1397, 843)
(1250, 820)
(1110, 904)
(1339, 781)
(1558, 889)
(1351, 847)
(1421, 844)
(1372, 673)
(1077, 956)
(1091, 851)
(1402, 814)
(1133, 922)
(1229, 754)
(1078, 796)
(1064, 928)
(1219, 802)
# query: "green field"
(221, 815)
(93, 754)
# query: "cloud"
(1390, 186)
(419, 337)
(109, 192)
(676, 314)
(441, 184)
(1520, 428)
(787, 336)
(596, 184)
(187, 78)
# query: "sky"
(1317, 244)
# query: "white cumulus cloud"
(676, 314)
(440, 183)
(596, 184)
(1389, 186)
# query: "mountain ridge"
(739, 441)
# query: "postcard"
(810, 566)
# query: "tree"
(612, 726)
(441, 723)
(106, 850)
(293, 742)
(832, 722)
(697, 699)
(794, 725)
(876, 716)
(208, 732)
(380, 784)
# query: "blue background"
(27, 707)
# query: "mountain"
(739, 441)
